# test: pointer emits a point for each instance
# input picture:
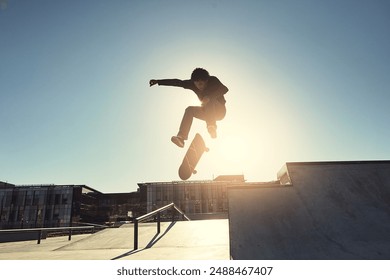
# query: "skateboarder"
(210, 92)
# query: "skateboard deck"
(192, 157)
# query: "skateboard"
(192, 157)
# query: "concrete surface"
(182, 240)
(325, 210)
(334, 210)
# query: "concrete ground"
(182, 240)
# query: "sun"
(230, 153)
(234, 149)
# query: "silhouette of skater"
(210, 92)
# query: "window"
(57, 199)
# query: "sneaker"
(212, 130)
(177, 140)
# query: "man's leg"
(214, 111)
(210, 113)
(190, 113)
(185, 125)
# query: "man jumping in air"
(210, 92)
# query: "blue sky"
(308, 81)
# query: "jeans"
(212, 112)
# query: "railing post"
(135, 234)
(39, 237)
(173, 214)
(70, 234)
(158, 222)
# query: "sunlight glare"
(233, 149)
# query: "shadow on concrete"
(154, 240)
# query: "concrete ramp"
(329, 210)
(181, 240)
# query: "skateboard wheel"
(194, 172)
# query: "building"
(119, 207)
(34, 206)
(197, 199)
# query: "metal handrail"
(40, 230)
(90, 224)
(158, 214)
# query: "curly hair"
(200, 74)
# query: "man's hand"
(152, 82)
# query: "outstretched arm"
(172, 82)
